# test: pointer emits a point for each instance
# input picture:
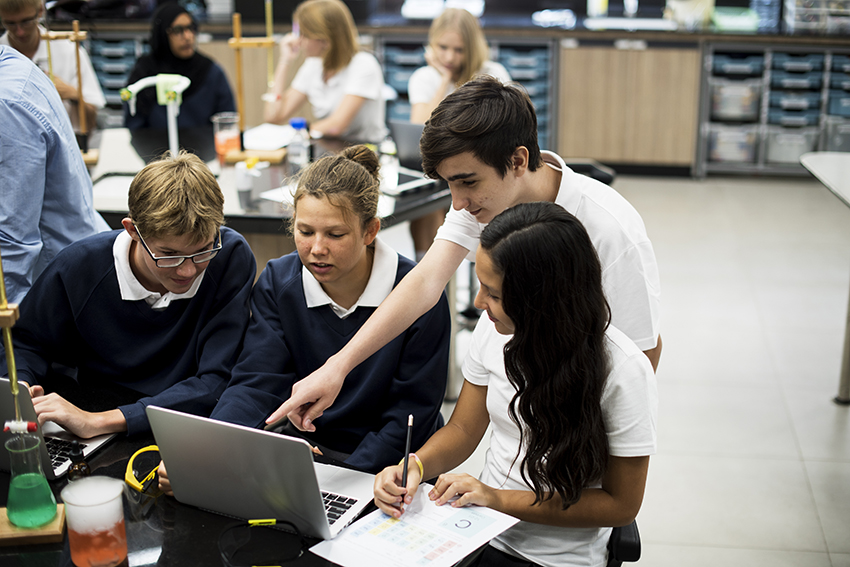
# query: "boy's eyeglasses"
(174, 261)
(180, 30)
(25, 24)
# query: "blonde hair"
(331, 21)
(474, 44)
(349, 181)
(15, 6)
(176, 196)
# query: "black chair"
(624, 545)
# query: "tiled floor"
(753, 466)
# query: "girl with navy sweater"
(307, 305)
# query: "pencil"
(407, 450)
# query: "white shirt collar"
(132, 289)
(381, 280)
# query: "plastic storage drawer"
(516, 58)
(839, 103)
(837, 135)
(522, 74)
(114, 48)
(795, 100)
(737, 64)
(798, 62)
(399, 78)
(113, 80)
(732, 144)
(735, 100)
(396, 55)
(787, 80)
(113, 64)
(840, 81)
(398, 111)
(787, 145)
(841, 63)
(536, 88)
(787, 117)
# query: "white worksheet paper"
(426, 534)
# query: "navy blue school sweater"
(178, 358)
(286, 341)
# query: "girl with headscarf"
(172, 42)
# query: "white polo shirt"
(381, 280)
(629, 409)
(424, 81)
(629, 271)
(362, 77)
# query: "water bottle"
(298, 150)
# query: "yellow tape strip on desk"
(48, 533)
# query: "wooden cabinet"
(630, 103)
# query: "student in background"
(482, 139)
(20, 20)
(45, 190)
(153, 314)
(308, 304)
(572, 401)
(343, 85)
(456, 52)
(173, 50)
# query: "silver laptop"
(56, 441)
(254, 474)
(406, 137)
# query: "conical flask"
(31, 502)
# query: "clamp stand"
(169, 93)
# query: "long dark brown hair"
(556, 359)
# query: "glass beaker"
(226, 132)
(31, 502)
(94, 510)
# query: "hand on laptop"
(164, 483)
(55, 408)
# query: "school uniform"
(295, 327)
(87, 311)
(630, 277)
(629, 407)
(361, 77)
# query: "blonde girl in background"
(343, 85)
(456, 52)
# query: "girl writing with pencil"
(571, 400)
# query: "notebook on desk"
(56, 441)
(252, 474)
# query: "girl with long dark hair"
(571, 400)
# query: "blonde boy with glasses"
(153, 313)
(19, 19)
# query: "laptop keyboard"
(59, 450)
(336, 505)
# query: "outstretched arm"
(418, 292)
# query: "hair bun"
(364, 156)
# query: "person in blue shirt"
(153, 314)
(46, 191)
(173, 51)
(308, 304)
